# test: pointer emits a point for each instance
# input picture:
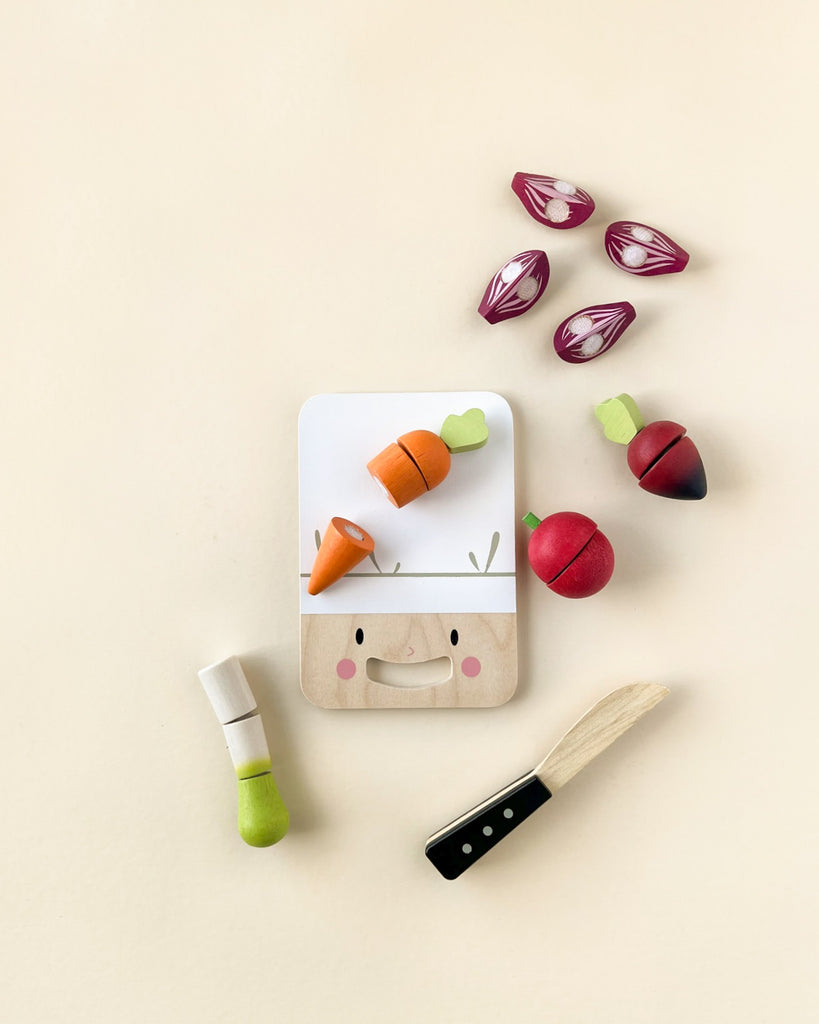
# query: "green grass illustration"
(493, 547)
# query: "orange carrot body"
(343, 546)
(429, 453)
(399, 477)
(416, 463)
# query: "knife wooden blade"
(458, 845)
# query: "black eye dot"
(359, 636)
(453, 637)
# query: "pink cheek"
(345, 668)
(470, 667)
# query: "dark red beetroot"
(569, 553)
(677, 473)
(663, 459)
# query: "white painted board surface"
(430, 541)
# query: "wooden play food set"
(591, 331)
(569, 553)
(664, 460)
(262, 817)
(457, 846)
(516, 287)
(427, 618)
(640, 249)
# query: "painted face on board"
(422, 660)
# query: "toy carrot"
(413, 465)
(343, 546)
(419, 460)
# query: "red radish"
(516, 287)
(592, 331)
(663, 459)
(552, 201)
(643, 250)
(569, 553)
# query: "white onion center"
(642, 234)
(527, 289)
(634, 256)
(510, 272)
(565, 188)
(581, 325)
(556, 210)
(591, 346)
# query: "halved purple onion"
(516, 287)
(640, 249)
(552, 201)
(592, 331)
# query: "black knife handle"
(469, 837)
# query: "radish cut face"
(552, 201)
(679, 473)
(640, 249)
(592, 331)
(650, 443)
(666, 462)
(516, 287)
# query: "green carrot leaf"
(474, 561)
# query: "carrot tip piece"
(343, 546)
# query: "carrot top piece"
(343, 546)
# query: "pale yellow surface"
(211, 211)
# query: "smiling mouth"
(409, 676)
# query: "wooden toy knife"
(453, 848)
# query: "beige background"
(211, 211)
